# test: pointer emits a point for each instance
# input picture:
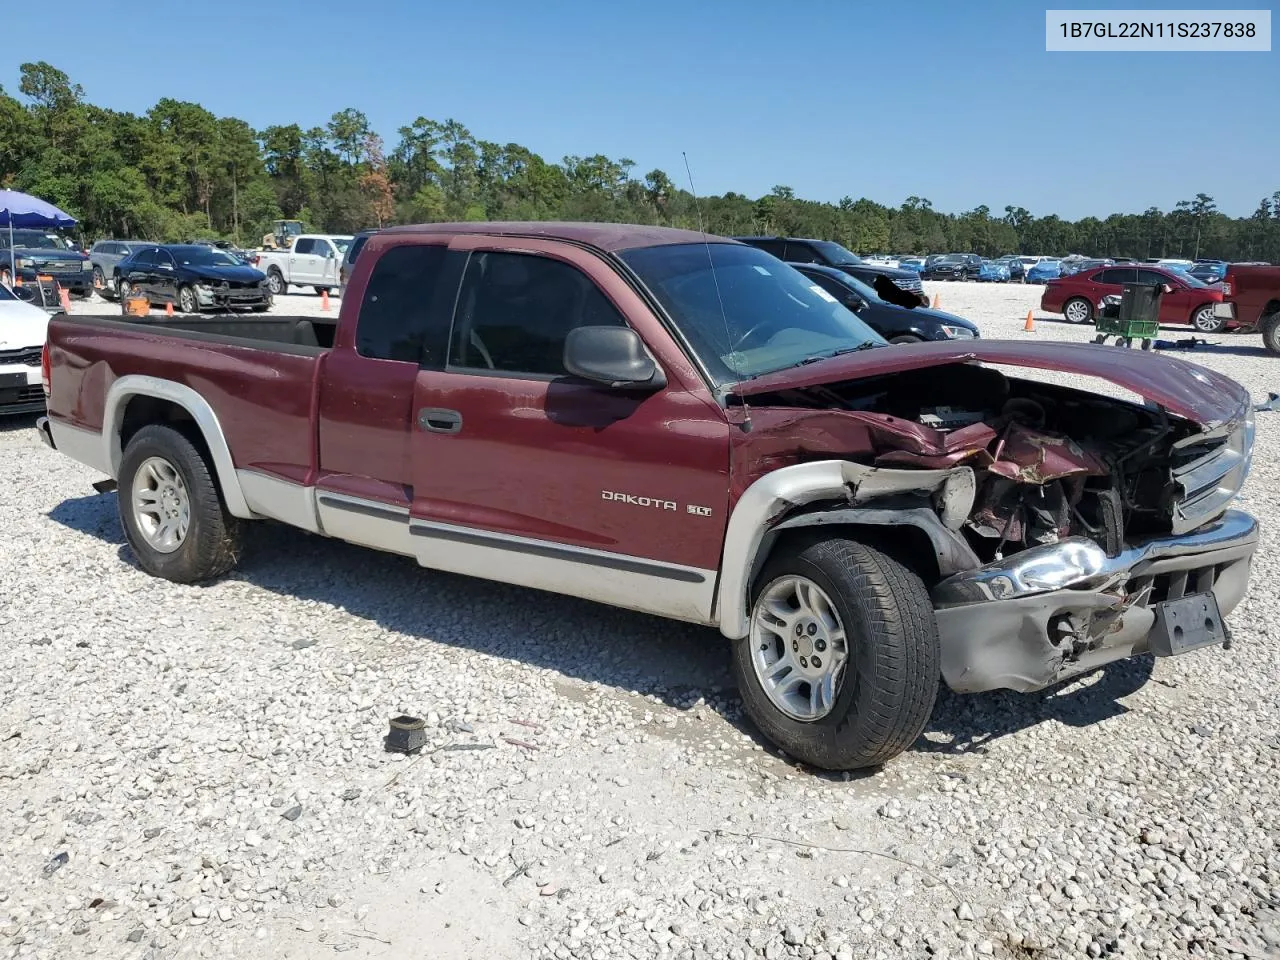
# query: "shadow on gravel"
(20, 422)
(591, 642)
(968, 723)
(677, 663)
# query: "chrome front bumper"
(1053, 612)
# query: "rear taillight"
(44, 370)
(1226, 288)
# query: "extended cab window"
(395, 315)
(515, 311)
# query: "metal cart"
(1134, 315)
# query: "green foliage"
(178, 171)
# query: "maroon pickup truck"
(686, 426)
(1253, 290)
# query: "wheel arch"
(135, 401)
(911, 515)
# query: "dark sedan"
(192, 278)
(897, 324)
(831, 254)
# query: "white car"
(22, 334)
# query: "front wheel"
(187, 301)
(840, 667)
(275, 283)
(1077, 310)
(1204, 320)
(124, 290)
(172, 513)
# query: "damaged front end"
(1091, 529)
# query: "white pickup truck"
(312, 260)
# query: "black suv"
(828, 253)
(954, 266)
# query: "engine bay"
(1050, 461)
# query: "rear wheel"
(99, 281)
(322, 290)
(275, 282)
(840, 667)
(1077, 310)
(1270, 327)
(172, 513)
(1204, 320)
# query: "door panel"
(558, 484)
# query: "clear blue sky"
(957, 102)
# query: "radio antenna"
(724, 316)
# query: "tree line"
(178, 172)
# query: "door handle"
(439, 420)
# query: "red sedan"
(1186, 300)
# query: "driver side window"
(515, 311)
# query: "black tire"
(905, 338)
(1270, 328)
(99, 280)
(188, 302)
(1088, 307)
(890, 680)
(323, 290)
(1204, 320)
(123, 289)
(213, 541)
(275, 282)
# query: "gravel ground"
(198, 771)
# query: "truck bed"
(312, 334)
(257, 372)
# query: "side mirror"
(854, 302)
(614, 356)
(1167, 288)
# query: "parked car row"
(1185, 299)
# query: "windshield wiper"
(865, 345)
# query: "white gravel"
(198, 771)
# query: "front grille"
(914, 285)
(1173, 585)
(30, 356)
(58, 266)
(1210, 476)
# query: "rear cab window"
(404, 313)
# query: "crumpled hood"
(1187, 390)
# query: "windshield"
(953, 258)
(836, 253)
(342, 243)
(203, 257)
(33, 240)
(773, 316)
(1185, 276)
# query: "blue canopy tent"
(23, 210)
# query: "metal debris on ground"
(56, 864)
(1271, 406)
(407, 734)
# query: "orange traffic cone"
(1030, 325)
(936, 300)
(168, 309)
(64, 296)
(324, 300)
